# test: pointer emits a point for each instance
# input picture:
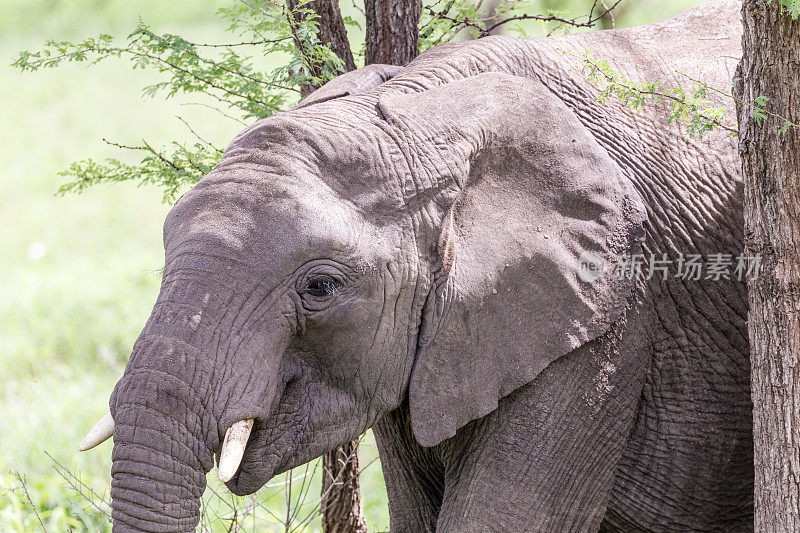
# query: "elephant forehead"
(271, 222)
(350, 152)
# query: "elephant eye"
(320, 286)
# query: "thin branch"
(79, 486)
(202, 140)
(425, 30)
(743, 102)
(163, 159)
(262, 505)
(247, 43)
(223, 500)
(302, 487)
(191, 161)
(610, 14)
(282, 483)
(680, 101)
(278, 520)
(24, 486)
(464, 23)
(657, 94)
(106, 52)
(124, 146)
(288, 491)
(221, 66)
(359, 8)
(250, 509)
(590, 22)
(234, 520)
(218, 110)
(150, 149)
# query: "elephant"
(427, 251)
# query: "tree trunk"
(770, 67)
(333, 31)
(341, 495)
(341, 503)
(392, 31)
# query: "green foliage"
(439, 26)
(293, 32)
(226, 77)
(445, 20)
(689, 105)
(171, 173)
(792, 7)
(759, 109)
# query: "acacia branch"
(79, 486)
(246, 43)
(484, 31)
(331, 32)
(754, 106)
(590, 22)
(198, 137)
(218, 110)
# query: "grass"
(80, 273)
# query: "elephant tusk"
(98, 434)
(233, 449)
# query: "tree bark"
(392, 31)
(340, 503)
(770, 67)
(341, 494)
(333, 31)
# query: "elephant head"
(355, 252)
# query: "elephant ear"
(529, 207)
(357, 81)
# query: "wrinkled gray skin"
(401, 253)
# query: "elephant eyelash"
(321, 286)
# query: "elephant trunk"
(156, 484)
(174, 400)
(163, 442)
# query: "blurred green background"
(80, 273)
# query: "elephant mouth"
(251, 472)
(263, 457)
(260, 453)
(296, 430)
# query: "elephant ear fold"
(357, 81)
(533, 211)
